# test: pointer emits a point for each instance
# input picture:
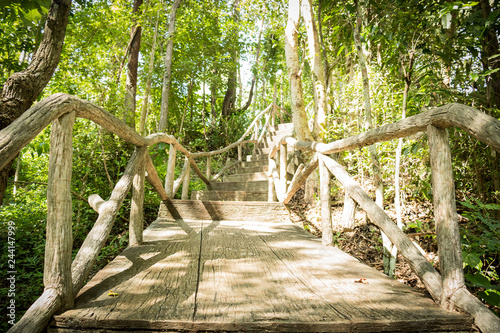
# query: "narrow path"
(247, 276)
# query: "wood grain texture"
(326, 204)
(231, 276)
(137, 203)
(445, 214)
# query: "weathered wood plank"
(153, 281)
(246, 276)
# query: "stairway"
(241, 196)
(250, 182)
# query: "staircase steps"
(250, 180)
(198, 210)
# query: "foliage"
(481, 249)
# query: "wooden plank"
(155, 281)
(247, 276)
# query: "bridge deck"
(244, 276)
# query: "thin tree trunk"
(228, 105)
(318, 74)
(144, 110)
(22, 89)
(377, 174)
(294, 72)
(133, 64)
(190, 89)
(165, 94)
(255, 75)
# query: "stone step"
(262, 168)
(259, 185)
(257, 158)
(254, 164)
(195, 210)
(244, 177)
(229, 195)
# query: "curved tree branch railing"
(64, 278)
(448, 288)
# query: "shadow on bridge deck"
(246, 276)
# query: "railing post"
(169, 179)
(57, 268)
(185, 183)
(348, 213)
(445, 215)
(283, 165)
(240, 153)
(272, 195)
(326, 204)
(209, 167)
(136, 225)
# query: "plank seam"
(198, 276)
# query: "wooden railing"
(447, 288)
(64, 278)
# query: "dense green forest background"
(441, 51)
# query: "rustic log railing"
(64, 278)
(448, 288)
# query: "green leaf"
(473, 261)
(491, 297)
(478, 280)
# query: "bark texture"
(165, 93)
(23, 88)
(300, 124)
(318, 74)
(133, 64)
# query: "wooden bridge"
(228, 266)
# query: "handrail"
(449, 288)
(63, 279)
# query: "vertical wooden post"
(136, 225)
(57, 268)
(445, 214)
(283, 156)
(271, 193)
(326, 204)
(169, 179)
(209, 167)
(240, 154)
(348, 213)
(185, 183)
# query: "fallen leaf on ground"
(361, 281)
(112, 294)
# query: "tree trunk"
(23, 88)
(133, 64)
(190, 89)
(294, 72)
(144, 111)
(397, 190)
(318, 74)
(377, 174)
(165, 93)
(228, 105)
